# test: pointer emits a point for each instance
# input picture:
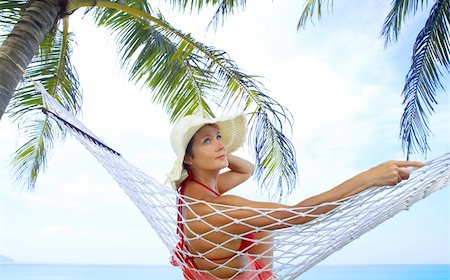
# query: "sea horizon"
(169, 265)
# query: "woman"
(230, 237)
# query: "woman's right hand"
(389, 173)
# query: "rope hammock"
(295, 248)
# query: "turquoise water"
(379, 272)
(17, 271)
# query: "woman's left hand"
(389, 173)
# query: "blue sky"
(340, 83)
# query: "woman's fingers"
(404, 173)
(403, 165)
(393, 172)
(408, 163)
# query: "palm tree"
(185, 76)
(429, 63)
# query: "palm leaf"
(52, 68)
(223, 9)
(396, 16)
(273, 149)
(188, 77)
(310, 8)
(430, 59)
(9, 15)
(151, 58)
(10, 9)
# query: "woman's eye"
(219, 137)
(206, 141)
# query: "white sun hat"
(232, 129)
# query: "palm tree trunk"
(22, 44)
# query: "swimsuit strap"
(190, 177)
(205, 186)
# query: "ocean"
(18, 271)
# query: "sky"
(340, 83)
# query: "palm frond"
(53, 69)
(310, 8)
(151, 58)
(225, 8)
(9, 9)
(31, 158)
(190, 5)
(396, 16)
(10, 12)
(273, 150)
(188, 77)
(429, 62)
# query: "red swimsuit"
(189, 263)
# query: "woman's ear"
(187, 160)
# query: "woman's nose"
(220, 145)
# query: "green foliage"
(397, 15)
(52, 67)
(222, 7)
(9, 15)
(430, 60)
(309, 8)
(187, 77)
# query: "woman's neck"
(208, 178)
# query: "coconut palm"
(185, 76)
(429, 63)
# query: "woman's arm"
(267, 214)
(386, 174)
(240, 171)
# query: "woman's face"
(208, 150)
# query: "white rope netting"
(295, 248)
